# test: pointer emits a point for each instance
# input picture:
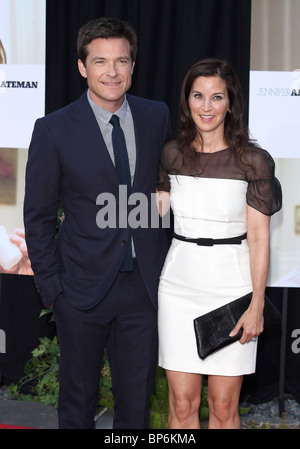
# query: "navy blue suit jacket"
(68, 161)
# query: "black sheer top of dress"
(257, 168)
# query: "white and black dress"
(208, 198)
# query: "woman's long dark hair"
(236, 132)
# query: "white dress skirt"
(197, 279)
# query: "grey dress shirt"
(126, 122)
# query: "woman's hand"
(252, 322)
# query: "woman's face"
(209, 104)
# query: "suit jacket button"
(123, 243)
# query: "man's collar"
(105, 115)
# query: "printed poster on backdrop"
(274, 121)
(22, 101)
(22, 92)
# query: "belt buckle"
(205, 242)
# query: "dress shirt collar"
(104, 115)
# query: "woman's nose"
(206, 105)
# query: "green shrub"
(41, 378)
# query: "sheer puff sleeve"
(264, 190)
(169, 162)
(163, 182)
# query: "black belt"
(212, 242)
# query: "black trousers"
(125, 323)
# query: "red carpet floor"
(8, 426)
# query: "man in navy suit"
(96, 304)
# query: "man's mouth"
(116, 83)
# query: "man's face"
(108, 69)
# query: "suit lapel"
(142, 139)
(90, 139)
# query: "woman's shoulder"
(171, 146)
(170, 154)
(260, 160)
(255, 152)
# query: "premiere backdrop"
(172, 35)
(22, 101)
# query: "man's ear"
(82, 69)
(132, 67)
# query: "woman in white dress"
(221, 186)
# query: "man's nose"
(112, 70)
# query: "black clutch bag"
(212, 329)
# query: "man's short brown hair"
(105, 28)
